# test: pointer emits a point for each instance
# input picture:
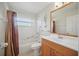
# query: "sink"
(68, 41)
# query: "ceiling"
(32, 7)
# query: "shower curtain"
(11, 35)
(54, 29)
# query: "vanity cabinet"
(50, 48)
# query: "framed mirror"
(65, 19)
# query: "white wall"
(3, 21)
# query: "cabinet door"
(45, 49)
(55, 53)
(52, 52)
(58, 54)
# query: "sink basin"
(68, 41)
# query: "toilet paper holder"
(3, 45)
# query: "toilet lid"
(36, 45)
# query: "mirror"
(65, 20)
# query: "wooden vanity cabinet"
(50, 48)
(45, 49)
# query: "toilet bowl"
(36, 45)
(36, 48)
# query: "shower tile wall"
(26, 37)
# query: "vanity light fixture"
(59, 4)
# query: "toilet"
(36, 48)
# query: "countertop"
(67, 41)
